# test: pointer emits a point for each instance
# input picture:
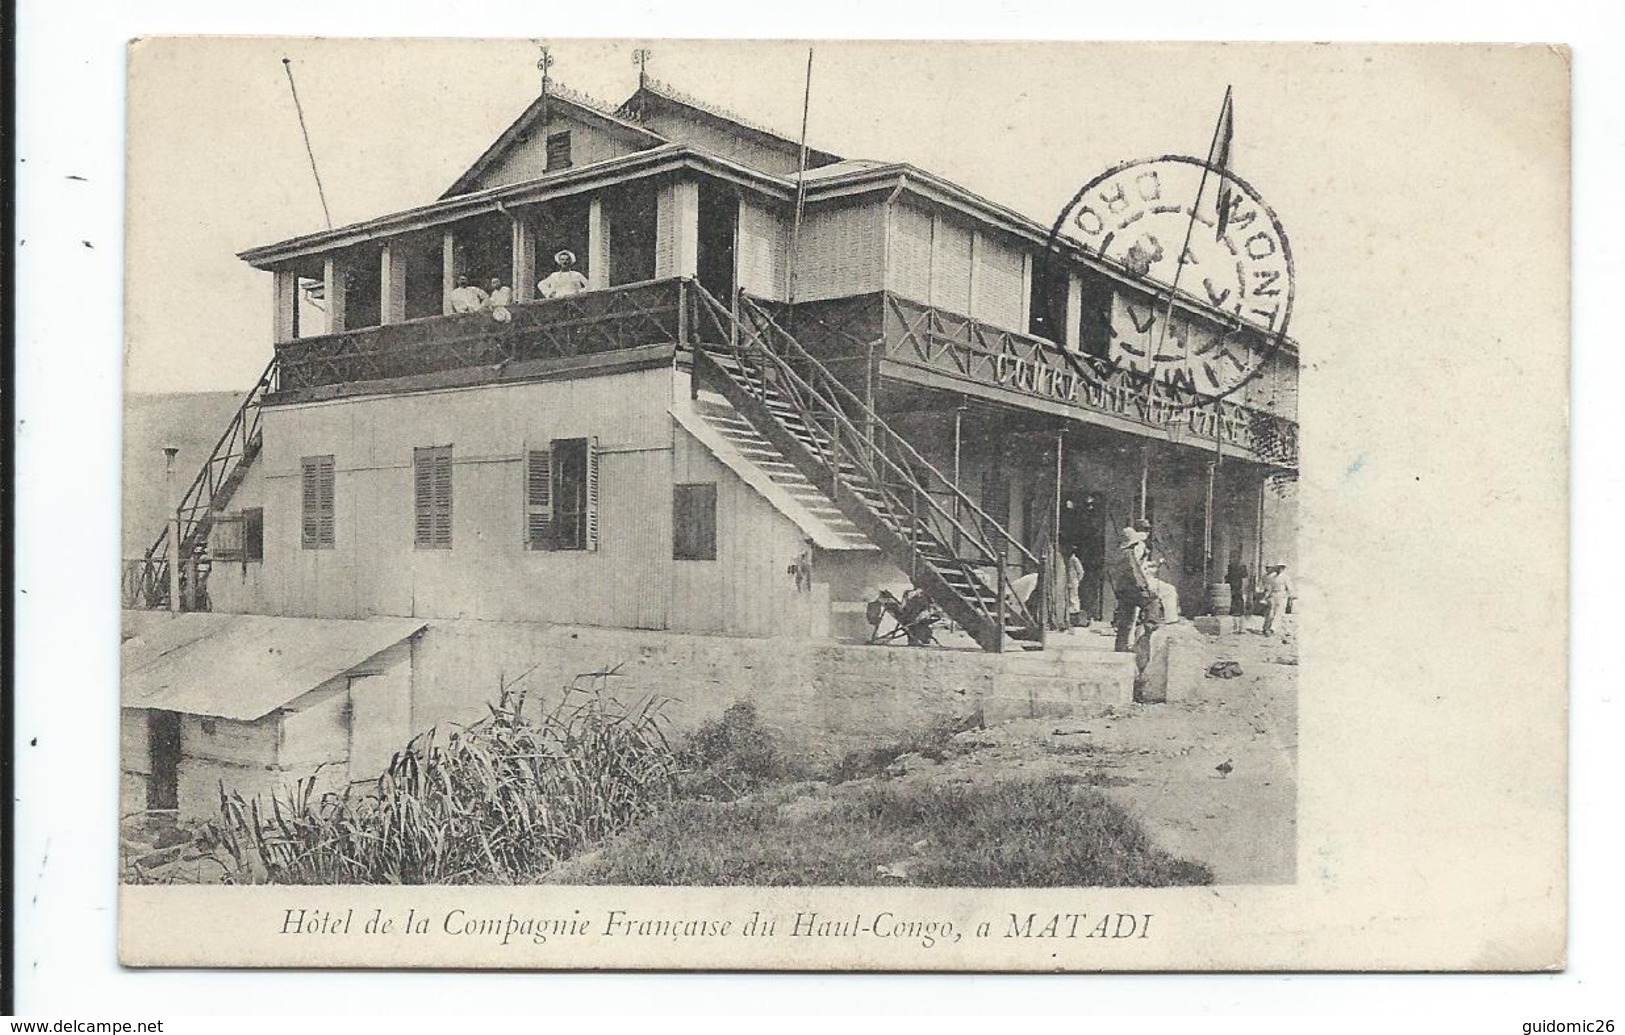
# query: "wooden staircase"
(924, 522)
(146, 579)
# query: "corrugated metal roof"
(242, 666)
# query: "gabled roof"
(558, 98)
(652, 94)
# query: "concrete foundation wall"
(825, 698)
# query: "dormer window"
(558, 151)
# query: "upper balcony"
(880, 335)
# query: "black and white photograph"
(692, 471)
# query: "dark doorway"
(163, 759)
(1095, 319)
(425, 271)
(1047, 306)
(363, 290)
(719, 222)
(1083, 526)
(631, 213)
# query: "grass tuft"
(1004, 834)
(498, 800)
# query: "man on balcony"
(564, 281)
(500, 294)
(466, 298)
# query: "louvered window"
(558, 151)
(316, 506)
(431, 479)
(561, 495)
(539, 499)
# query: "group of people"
(563, 281)
(1148, 600)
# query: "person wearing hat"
(1278, 592)
(564, 281)
(1132, 587)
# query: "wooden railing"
(624, 317)
(920, 335)
(854, 445)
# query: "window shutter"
(592, 494)
(431, 484)
(226, 538)
(423, 495)
(539, 499)
(442, 498)
(324, 500)
(254, 534)
(309, 492)
(316, 511)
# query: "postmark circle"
(1229, 254)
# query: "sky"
(1354, 147)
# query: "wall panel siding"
(842, 251)
(999, 284)
(908, 252)
(527, 159)
(779, 158)
(763, 240)
(950, 267)
(374, 567)
(747, 590)
(666, 230)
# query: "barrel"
(1218, 597)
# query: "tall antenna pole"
(801, 183)
(1190, 228)
(287, 66)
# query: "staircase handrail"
(911, 454)
(246, 417)
(1003, 590)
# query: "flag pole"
(1190, 227)
(801, 185)
(287, 66)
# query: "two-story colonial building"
(748, 422)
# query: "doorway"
(163, 760)
(719, 225)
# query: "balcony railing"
(918, 335)
(839, 332)
(645, 313)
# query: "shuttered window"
(561, 496)
(558, 151)
(538, 499)
(431, 481)
(254, 532)
(316, 502)
(694, 522)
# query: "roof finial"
(544, 63)
(640, 57)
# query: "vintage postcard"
(844, 505)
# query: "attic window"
(558, 151)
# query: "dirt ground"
(1159, 760)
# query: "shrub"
(502, 799)
(732, 755)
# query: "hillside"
(192, 421)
